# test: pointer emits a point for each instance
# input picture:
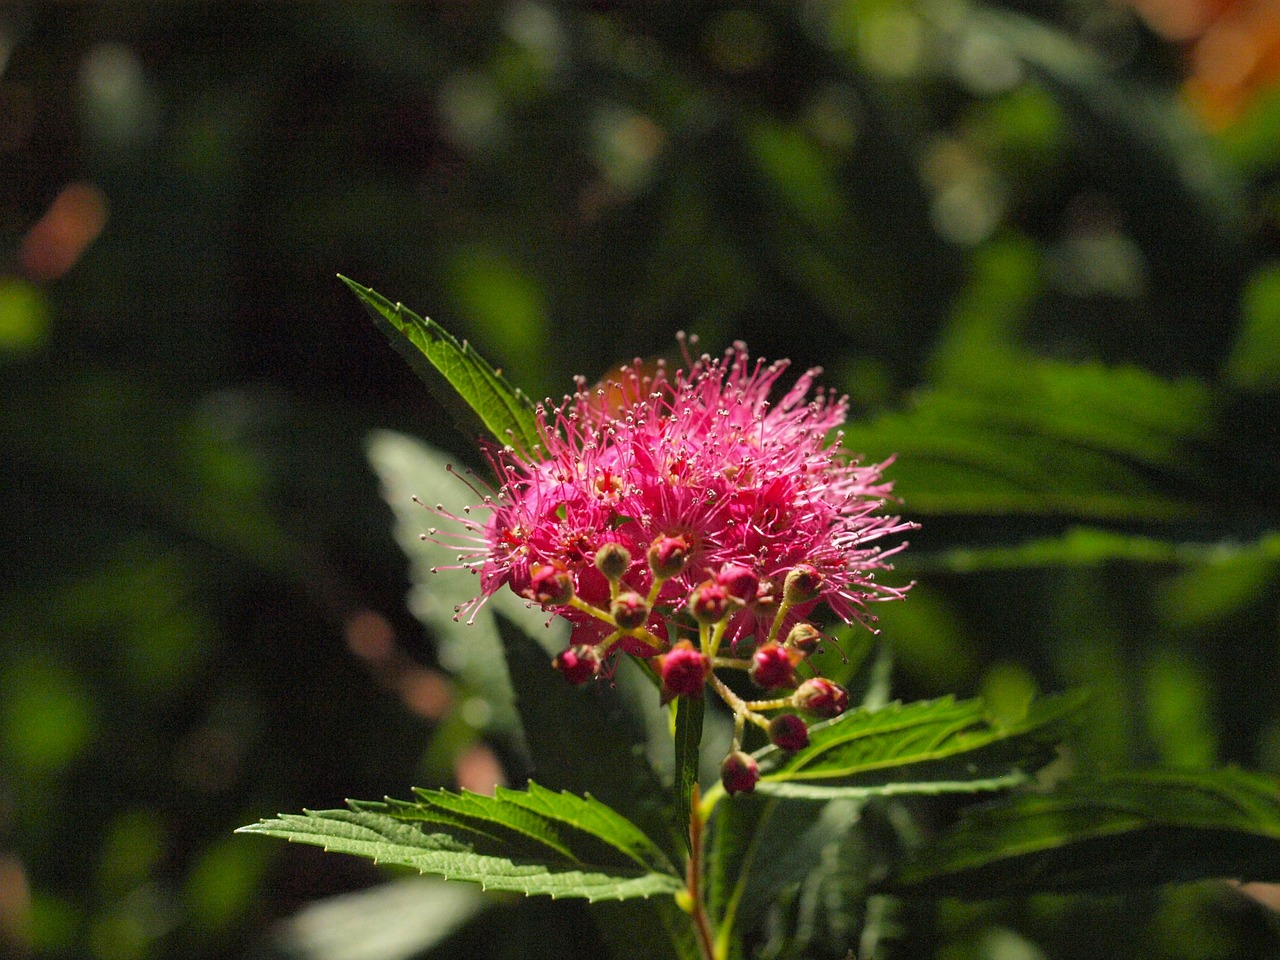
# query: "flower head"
(684, 507)
(697, 471)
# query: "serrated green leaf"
(536, 816)
(1112, 833)
(590, 816)
(509, 818)
(933, 746)
(1022, 435)
(583, 740)
(688, 736)
(455, 856)
(462, 380)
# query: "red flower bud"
(550, 586)
(772, 666)
(578, 664)
(709, 602)
(684, 670)
(739, 582)
(803, 584)
(630, 611)
(789, 732)
(822, 697)
(803, 638)
(739, 773)
(667, 556)
(613, 560)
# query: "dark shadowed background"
(1036, 243)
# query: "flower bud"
(684, 670)
(766, 598)
(613, 560)
(803, 584)
(789, 732)
(550, 585)
(739, 582)
(772, 666)
(822, 697)
(578, 664)
(629, 611)
(739, 773)
(709, 602)
(803, 638)
(667, 556)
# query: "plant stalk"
(693, 881)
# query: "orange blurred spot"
(426, 692)
(1267, 894)
(54, 244)
(478, 770)
(1180, 20)
(623, 387)
(1233, 47)
(1236, 59)
(370, 635)
(15, 908)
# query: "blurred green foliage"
(1043, 283)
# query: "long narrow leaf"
(462, 380)
(1121, 831)
(688, 735)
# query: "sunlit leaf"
(468, 647)
(535, 816)
(933, 746)
(553, 859)
(462, 380)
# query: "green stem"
(783, 609)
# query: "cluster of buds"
(669, 512)
(639, 622)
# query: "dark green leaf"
(1108, 834)
(688, 735)
(760, 846)
(1077, 547)
(934, 746)
(462, 380)
(582, 740)
(1025, 436)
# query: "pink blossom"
(698, 459)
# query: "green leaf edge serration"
(385, 839)
(960, 728)
(475, 392)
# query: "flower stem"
(693, 880)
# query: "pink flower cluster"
(666, 506)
